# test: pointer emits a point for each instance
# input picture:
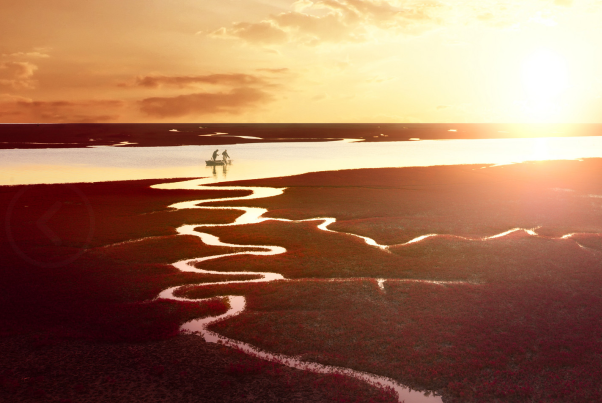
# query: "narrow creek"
(252, 215)
(237, 303)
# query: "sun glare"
(540, 149)
(545, 79)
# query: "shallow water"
(253, 161)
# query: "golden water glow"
(541, 149)
(253, 161)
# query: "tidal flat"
(481, 283)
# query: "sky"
(262, 61)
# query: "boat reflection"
(219, 168)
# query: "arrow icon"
(41, 223)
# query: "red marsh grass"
(527, 327)
(182, 369)
(60, 314)
(396, 205)
(101, 293)
(533, 337)
(122, 210)
(311, 252)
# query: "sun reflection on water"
(265, 160)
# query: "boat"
(217, 162)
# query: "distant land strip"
(80, 135)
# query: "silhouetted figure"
(225, 156)
(215, 155)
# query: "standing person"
(225, 156)
(215, 154)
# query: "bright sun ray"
(545, 79)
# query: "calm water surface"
(252, 161)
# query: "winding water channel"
(237, 303)
(252, 215)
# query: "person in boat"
(214, 155)
(225, 156)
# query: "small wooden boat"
(213, 163)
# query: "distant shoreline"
(81, 135)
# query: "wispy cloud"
(335, 21)
(156, 81)
(17, 75)
(230, 94)
(24, 110)
(233, 102)
(36, 54)
(282, 70)
(316, 22)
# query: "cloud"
(503, 14)
(281, 70)
(380, 79)
(230, 80)
(235, 101)
(8, 98)
(320, 97)
(335, 21)
(17, 75)
(230, 94)
(264, 32)
(36, 53)
(16, 109)
(316, 22)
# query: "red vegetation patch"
(339, 388)
(526, 329)
(592, 241)
(57, 274)
(395, 205)
(514, 257)
(311, 252)
(530, 330)
(180, 369)
(164, 249)
(110, 211)
(496, 342)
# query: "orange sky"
(300, 61)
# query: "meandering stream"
(252, 215)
